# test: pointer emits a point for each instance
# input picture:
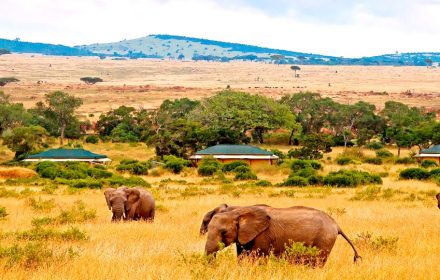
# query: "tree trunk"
(398, 151)
(63, 128)
(291, 136)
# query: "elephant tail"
(356, 255)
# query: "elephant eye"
(223, 232)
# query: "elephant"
(130, 203)
(263, 231)
(438, 199)
(219, 209)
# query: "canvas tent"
(228, 153)
(62, 155)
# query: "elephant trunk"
(118, 211)
(212, 245)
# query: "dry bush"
(16, 173)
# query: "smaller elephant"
(130, 204)
(438, 200)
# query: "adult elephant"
(261, 232)
(438, 200)
(130, 203)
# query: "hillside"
(187, 48)
(41, 48)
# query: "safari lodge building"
(229, 153)
(432, 153)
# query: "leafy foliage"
(23, 140)
(351, 178)
(175, 164)
(91, 80)
(415, 173)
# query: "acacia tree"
(91, 80)
(58, 111)
(295, 68)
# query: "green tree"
(311, 110)
(11, 114)
(58, 113)
(7, 80)
(241, 112)
(23, 140)
(401, 121)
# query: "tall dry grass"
(171, 247)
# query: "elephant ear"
(251, 222)
(133, 196)
(107, 193)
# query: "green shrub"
(41, 204)
(175, 164)
(434, 173)
(405, 160)
(374, 160)
(263, 183)
(296, 181)
(84, 183)
(279, 154)
(428, 164)
(344, 160)
(47, 169)
(93, 139)
(132, 181)
(248, 175)
(374, 145)
(298, 164)
(208, 166)
(134, 167)
(229, 167)
(351, 178)
(306, 172)
(382, 153)
(415, 173)
(315, 180)
(242, 169)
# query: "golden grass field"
(146, 83)
(171, 248)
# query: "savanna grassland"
(146, 83)
(394, 225)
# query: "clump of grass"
(379, 243)
(3, 212)
(8, 193)
(334, 211)
(78, 213)
(41, 204)
(43, 234)
(16, 173)
(371, 193)
(33, 254)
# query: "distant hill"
(187, 48)
(47, 49)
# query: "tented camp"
(62, 155)
(432, 153)
(228, 153)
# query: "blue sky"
(333, 27)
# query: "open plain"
(146, 83)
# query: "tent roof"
(66, 154)
(432, 150)
(233, 150)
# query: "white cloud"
(342, 28)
